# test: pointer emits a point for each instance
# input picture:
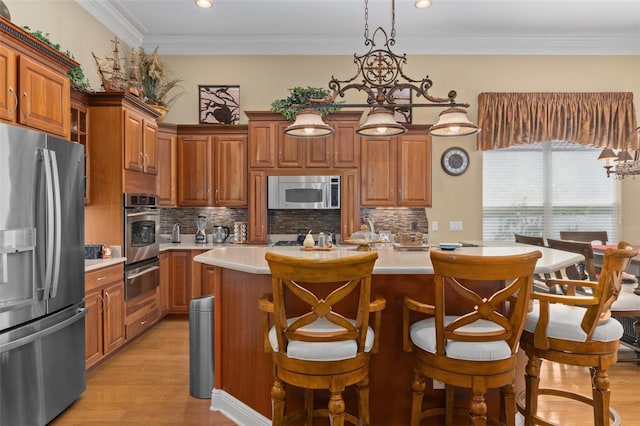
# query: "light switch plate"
(437, 384)
(434, 225)
(455, 225)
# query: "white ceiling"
(328, 27)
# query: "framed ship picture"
(219, 104)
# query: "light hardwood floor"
(148, 383)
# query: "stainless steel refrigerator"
(42, 340)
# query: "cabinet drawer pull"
(28, 104)
(104, 277)
(15, 98)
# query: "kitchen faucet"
(369, 221)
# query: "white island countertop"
(251, 259)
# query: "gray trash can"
(201, 343)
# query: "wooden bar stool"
(576, 330)
(476, 347)
(316, 325)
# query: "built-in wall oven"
(141, 243)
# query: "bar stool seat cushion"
(423, 335)
(564, 323)
(322, 351)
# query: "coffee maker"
(201, 234)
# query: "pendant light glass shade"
(381, 122)
(308, 124)
(453, 122)
(607, 154)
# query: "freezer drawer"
(42, 367)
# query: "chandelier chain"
(393, 19)
(366, 19)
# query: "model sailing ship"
(111, 74)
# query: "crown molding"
(114, 20)
(444, 45)
(128, 29)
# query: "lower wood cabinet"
(163, 289)
(104, 323)
(185, 279)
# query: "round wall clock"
(455, 161)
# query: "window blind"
(543, 188)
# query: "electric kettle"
(220, 233)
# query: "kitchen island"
(243, 371)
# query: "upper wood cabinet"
(123, 133)
(80, 134)
(34, 86)
(396, 171)
(167, 178)
(8, 85)
(269, 147)
(141, 144)
(262, 142)
(194, 171)
(212, 166)
(257, 207)
(350, 205)
(230, 170)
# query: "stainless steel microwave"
(303, 192)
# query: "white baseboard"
(236, 410)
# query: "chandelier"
(623, 163)
(380, 76)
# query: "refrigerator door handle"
(57, 240)
(50, 220)
(5, 347)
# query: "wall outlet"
(434, 225)
(455, 225)
(437, 384)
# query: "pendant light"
(453, 122)
(380, 75)
(381, 122)
(308, 124)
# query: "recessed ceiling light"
(423, 4)
(205, 4)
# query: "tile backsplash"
(186, 217)
(290, 221)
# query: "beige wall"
(265, 78)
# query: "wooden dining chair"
(588, 236)
(316, 325)
(471, 343)
(576, 330)
(583, 270)
(529, 239)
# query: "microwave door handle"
(327, 195)
(146, 271)
(57, 241)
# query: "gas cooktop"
(288, 243)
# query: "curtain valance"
(595, 119)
